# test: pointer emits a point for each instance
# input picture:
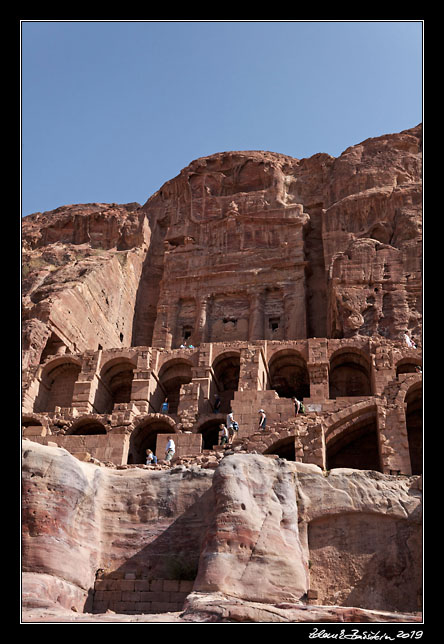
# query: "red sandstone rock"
(253, 549)
(79, 519)
(292, 231)
(257, 528)
(286, 277)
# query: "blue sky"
(112, 110)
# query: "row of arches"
(355, 443)
(351, 443)
(287, 373)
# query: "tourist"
(297, 405)
(170, 450)
(151, 459)
(165, 406)
(262, 419)
(409, 342)
(217, 402)
(223, 434)
(230, 419)
(233, 428)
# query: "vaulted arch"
(144, 435)
(289, 374)
(408, 365)
(353, 440)
(226, 370)
(87, 426)
(350, 373)
(115, 382)
(210, 429)
(173, 374)
(284, 448)
(57, 384)
(413, 419)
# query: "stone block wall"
(187, 444)
(135, 596)
(112, 448)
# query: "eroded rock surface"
(255, 527)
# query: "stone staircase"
(246, 405)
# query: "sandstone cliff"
(264, 534)
(334, 243)
(254, 277)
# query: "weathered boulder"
(252, 549)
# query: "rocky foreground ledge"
(220, 608)
(272, 541)
(217, 608)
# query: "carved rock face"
(329, 247)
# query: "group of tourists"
(228, 431)
(170, 450)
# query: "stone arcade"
(362, 401)
(254, 277)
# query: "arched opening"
(172, 376)
(210, 432)
(284, 448)
(144, 437)
(116, 379)
(87, 427)
(226, 369)
(349, 374)
(289, 374)
(355, 445)
(413, 417)
(407, 365)
(56, 386)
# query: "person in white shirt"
(409, 341)
(223, 434)
(262, 419)
(170, 449)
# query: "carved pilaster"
(256, 321)
(201, 326)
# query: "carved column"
(165, 326)
(318, 374)
(393, 440)
(142, 384)
(318, 369)
(87, 382)
(200, 328)
(256, 321)
(294, 311)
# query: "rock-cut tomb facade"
(253, 277)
